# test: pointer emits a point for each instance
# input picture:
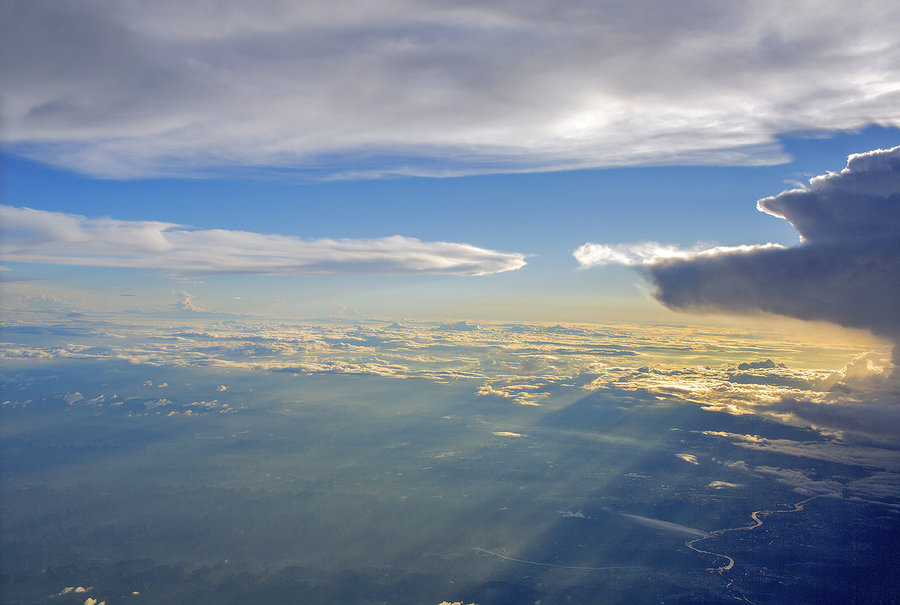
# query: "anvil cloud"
(847, 270)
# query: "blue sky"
(471, 125)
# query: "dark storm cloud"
(847, 270)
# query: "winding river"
(757, 521)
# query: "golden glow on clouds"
(734, 371)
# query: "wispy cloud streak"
(37, 236)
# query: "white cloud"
(72, 398)
(723, 484)
(37, 236)
(405, 87)
(857, 203)
(507, 434)
(691, 458)
(628, 364)
(74, 589)
(187, 303)
(836, 451)
(651, 253)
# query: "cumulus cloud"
(507, 434)
(846, 271)
(187, 304)
(73, 589)
(406, 87)
(37, 236)
(691, 458)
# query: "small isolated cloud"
(156, 403)
(723, 485)
(72, 398)
(737, 465)
(508, 434)
(74, 590)
(38, 236)
(846, 270)
(221, 387)
(522, 394)
(187, 303)
(688, 458)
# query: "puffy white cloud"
(406, 87)
(37, 236)
(690, 458)
(73, 589)
(861, 202)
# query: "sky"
(328, 277)
(449, 160)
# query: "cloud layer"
(847, 270)
(405, 87)
(37, 236)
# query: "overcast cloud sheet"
(439, 88)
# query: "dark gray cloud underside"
(853, 284)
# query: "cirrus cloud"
(38, 236)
